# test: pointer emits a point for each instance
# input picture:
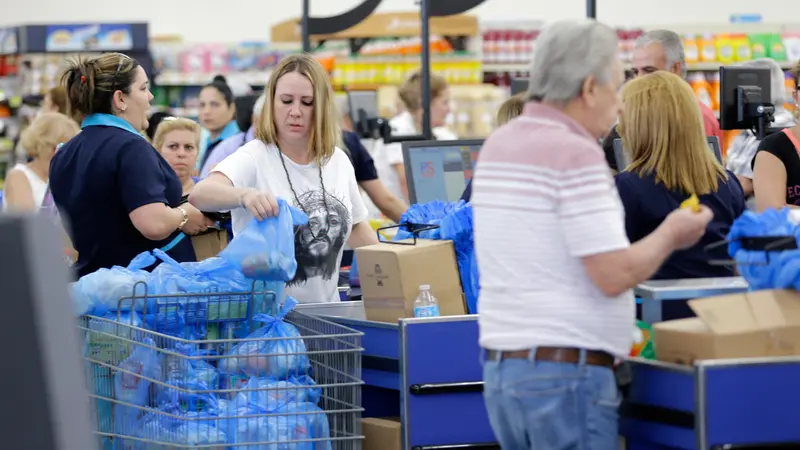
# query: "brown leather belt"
(555, 354)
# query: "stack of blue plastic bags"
(183, 392)
(767, 269)
(453, 222)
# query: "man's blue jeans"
(537, 405)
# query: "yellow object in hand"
(692, 203)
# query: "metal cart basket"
(184, 372)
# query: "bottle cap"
(425, 287)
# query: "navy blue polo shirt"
(363, 164)
(98, 178)
(647, 203)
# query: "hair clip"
(83, 79)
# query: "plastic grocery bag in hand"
(276, 349)
(264, 250)
(766, 269)
(99, 292)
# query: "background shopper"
(365, 171)
(26, 183)
(389, 157)
(776, 167)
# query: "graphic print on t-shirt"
(317, 245)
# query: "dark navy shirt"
(97, 179)
(648, 203)
(362, 161)
(467, 195)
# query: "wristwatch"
(185, 217)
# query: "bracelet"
(185, 217)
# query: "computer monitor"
(519, 85)
(623, 158)
(439, 170)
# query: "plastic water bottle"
(426, 305)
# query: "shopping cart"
(173, 375)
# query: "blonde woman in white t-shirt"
(294, 156)
(389, 157)
(26, 184)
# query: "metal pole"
(304, 26)
(591, 9)
(425, 69)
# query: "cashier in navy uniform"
(117, 194)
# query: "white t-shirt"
(387, 155)
(38, 186)
(257, 165)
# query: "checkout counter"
(428, 372)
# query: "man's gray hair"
(567, 53)
(259, 105)
(672, 44)
(776, 76)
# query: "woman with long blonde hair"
(662, 129)
(294, 156)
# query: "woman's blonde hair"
(411, 91)
(325, 131)
(663, 130)
(510, 108)
(46, 132)
(170, 124)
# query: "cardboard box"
(382, 434)
(391, 275)
(209, 244)
(752, 324)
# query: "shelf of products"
(456, 68)
(180, 64)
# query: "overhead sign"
(8, 41)
(95, 37)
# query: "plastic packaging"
(187, 375)
(185, 429)
(296, 422)
(643, 341)
(264, 250)
(277, 349)
(132, 385)
(272, 394)
(425, 305)
(762, 269)
(99, 292)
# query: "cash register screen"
(439, 170)
(623, 158)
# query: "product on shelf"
(509, 42)
(457, 68)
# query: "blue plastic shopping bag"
(765, 269)
(264, 250)
(276, 349)
(99, 292)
